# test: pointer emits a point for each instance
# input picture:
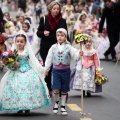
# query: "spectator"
(112, 15)
(93, 8)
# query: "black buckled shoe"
(20, 112)
(84, 93)
(114, 60)
(27, 111)
(106, 57)
(88, 94)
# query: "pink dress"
(81, 26)
(90, 64)
(91, 61)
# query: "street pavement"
(100, 106)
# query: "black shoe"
(20, 112)
(27, 111)
(114, 60)
(106, 57)
(88, 94)
(84, 93)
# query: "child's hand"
(17, 64)
(5, 36)
(41, 62)
(81, 53)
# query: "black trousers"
(114, 39)
(43, 53)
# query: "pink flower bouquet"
(8, 58)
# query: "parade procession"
(59, 59)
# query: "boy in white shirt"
(60, 55)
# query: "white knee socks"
(63, 100)
(56, 105)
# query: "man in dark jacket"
(112, 15)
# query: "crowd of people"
(45, 53)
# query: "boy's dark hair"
(28, 25)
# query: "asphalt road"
(100, 106)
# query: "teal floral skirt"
(23, 91)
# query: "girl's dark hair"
(7, 13)
(21, 35)
(82, 16)
(28, 25)
(29, 19)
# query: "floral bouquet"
(7, 25)
(100, 79)
(68, 9)
(80, 37)
(71, 22)
(8, 58)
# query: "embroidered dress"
(90, 63)
(23, 89)
(70, 20)
(102, 46)
(88, 75)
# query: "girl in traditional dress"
(9, 29)
(70, 20)
(94, 22)
(23, 89)
(26, 29)
(102, 44)
(82, 23)
(68, 4)
(90, 64)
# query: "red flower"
(5, 63)
(10, 52)
(102, 75)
